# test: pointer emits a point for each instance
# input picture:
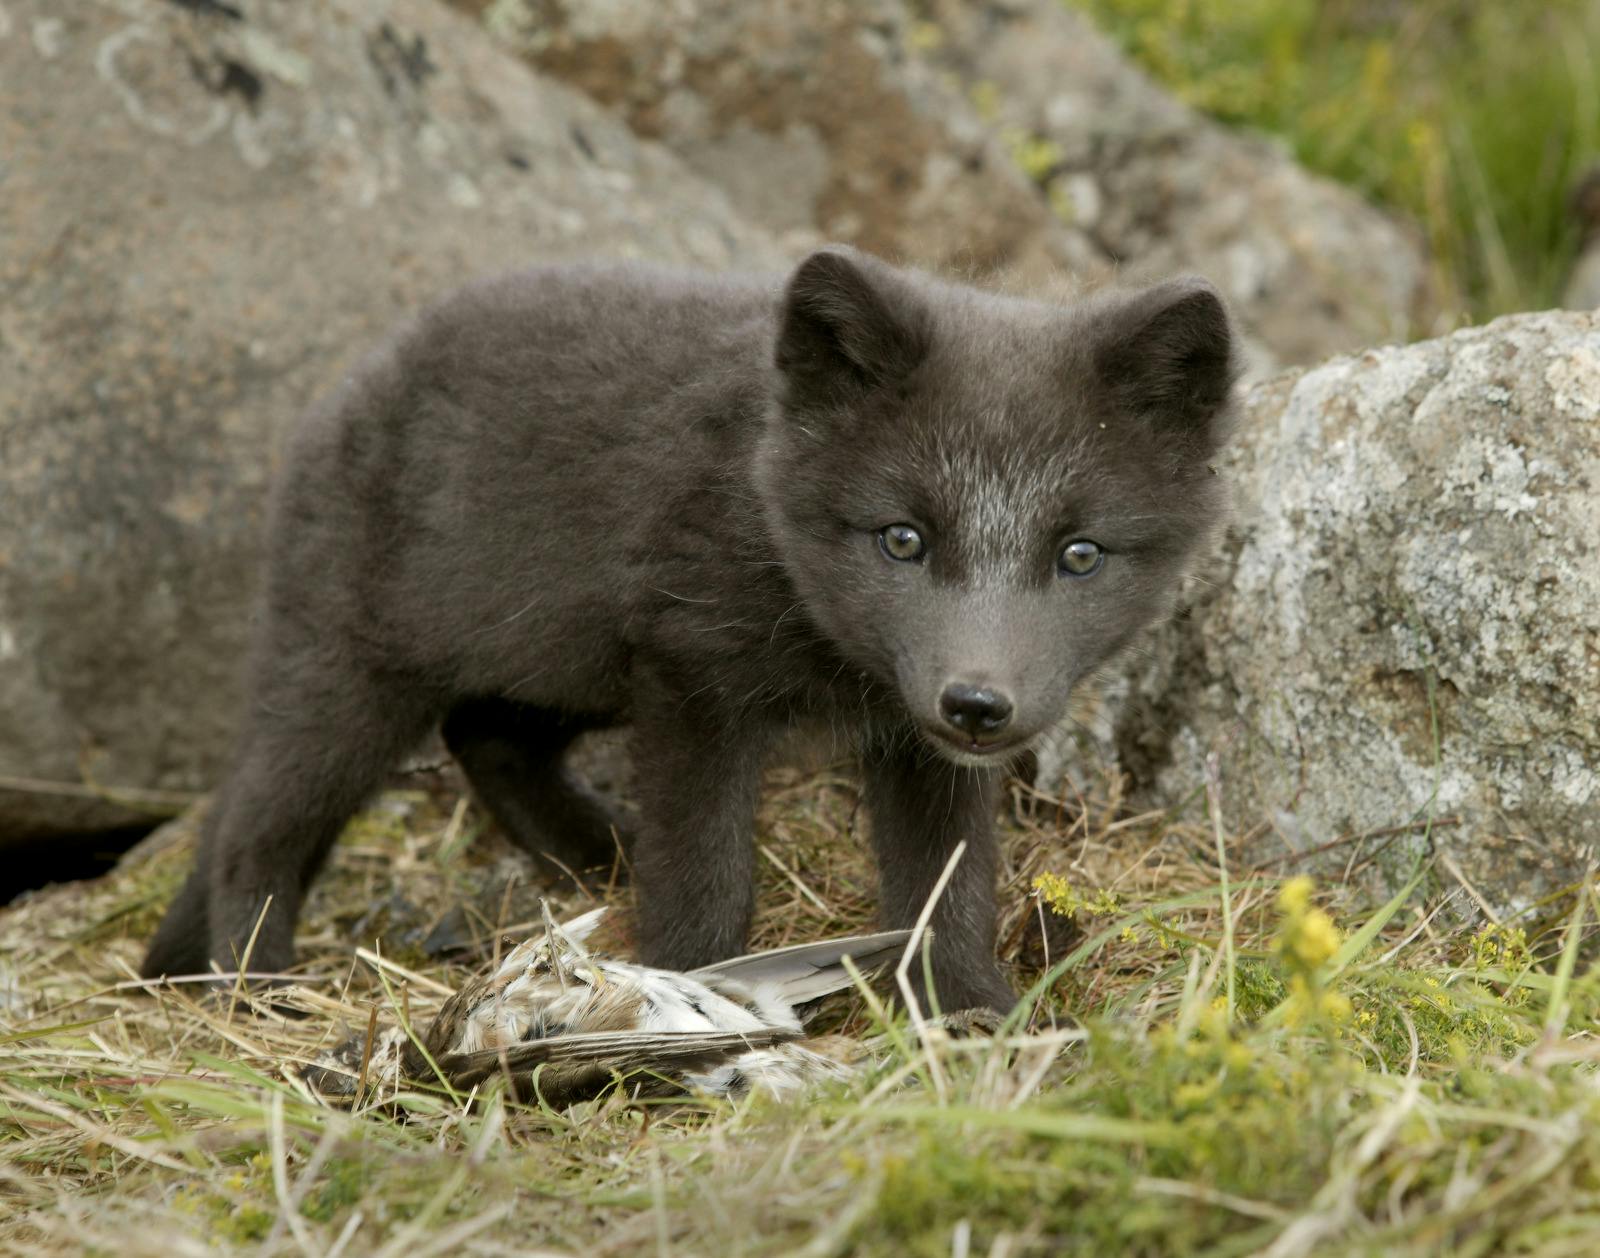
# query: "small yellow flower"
(1499, 946)
(1295, 897)
(1307, 941)
(1314, 939)
(1058, 895)
(1213, 1020)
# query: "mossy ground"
(1345, 1078)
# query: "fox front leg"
(921, 807)
(699, 780)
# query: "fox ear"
(1167, 353)
(847, 323)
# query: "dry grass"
(1426, 1088)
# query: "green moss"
(341, 1186)
(234, 1210)
(1262, 1124)
(929, 1189)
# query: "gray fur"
(579, 496)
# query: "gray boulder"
(816, 118)
(1311, 269)
(207, 210)
(1406, 619)
(1003, 138)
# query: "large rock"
(1005, 138)
(206, 210)
(813, 116)
(1408, 620)
(1310, 268)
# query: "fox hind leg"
(512, 754)
(183, 941)
(320, 736)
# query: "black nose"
(975, 710)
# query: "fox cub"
(712, 508)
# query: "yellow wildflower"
(1307, 941)
(1058, 895)
(1314, 939)
(1295, 897)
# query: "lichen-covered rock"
(1310, 268)
(206, 210)
(1407, 620)
(815, 117)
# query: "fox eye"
(901, 543)
(1080, 558)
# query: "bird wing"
(579, 1065)
(805, 972)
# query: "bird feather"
(611, 1052)
(805, 972)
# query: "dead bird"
(552, 1008)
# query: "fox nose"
(975, 710)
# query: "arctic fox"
(712, 508)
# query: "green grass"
(1474, 116)
(1391, 1080)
